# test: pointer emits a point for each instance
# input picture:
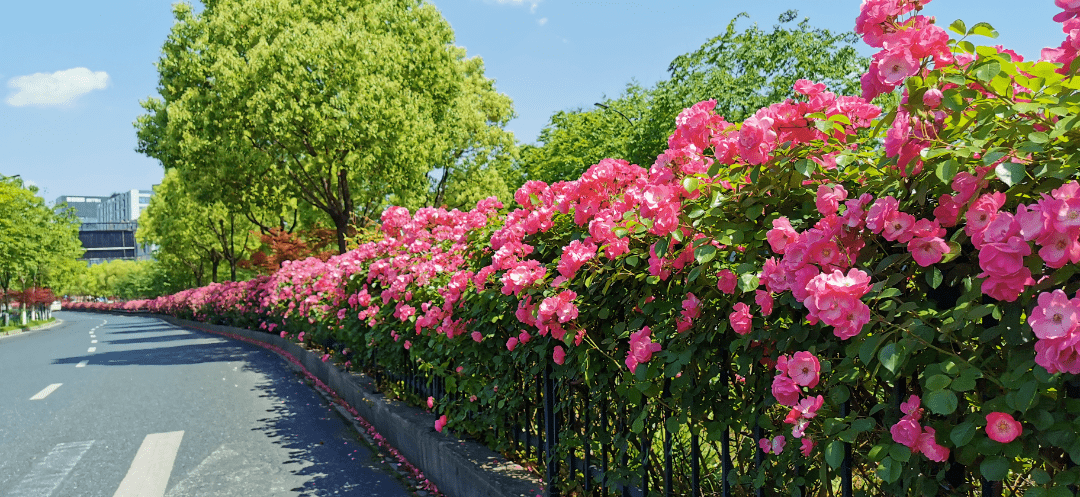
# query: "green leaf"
(962, 433)
(889, 470)
(958, 27)
(942, 402)
(834, 454)
(934, 278)
(954, 251)
(994, 468)
(748, 282)
(889, 355)
(988, 71)
(1025, 396)
(691, 183)
(938, 382)
(983, 29)
(1010, 173)
(1038, 137)
(661, 247)
(947, 170)
(869, 346)
(704, 253)
(805, 167)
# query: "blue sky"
(72, 73)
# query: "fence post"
(845, 467)
(551, 432)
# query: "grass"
(8, 329)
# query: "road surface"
(123, 406)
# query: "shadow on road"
(322, 448)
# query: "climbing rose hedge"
(827, 272)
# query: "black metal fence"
(583, 442)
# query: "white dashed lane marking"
(82, 364)
(153, 464)
(48, 473)
(46, 391)
(92, 349)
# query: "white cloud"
(58, 88)
(531, 3)
(542, 21)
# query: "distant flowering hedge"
(826, 271)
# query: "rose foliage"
(824, 274)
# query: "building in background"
(109, 223)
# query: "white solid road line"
(46, 391)
(82, 364)
(150, 471)
(47, 474)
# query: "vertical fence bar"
(759, 455)
(624, 427)
(539, 419)
(587, 438)
(1072, 391)
(845, 467)
(646, 444)
(605, 446)
(668, 484)
(725, 404)
(571, 422)
(551, 435)
(695, 464)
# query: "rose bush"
(894, 281)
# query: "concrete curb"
(460, 468)
(20, 331)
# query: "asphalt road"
(120, 406)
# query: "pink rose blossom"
(764, 299)
(1055, 316)
(1002, 427)
(741, 321)
(929, 447)
(642, 348)
(726, 281)
(440, 423)
(807, 446)
(804, 368)
(785, 390)
(559, 356)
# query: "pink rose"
(1055, 316)
(785, 390)
(559, 356)
(804, 368)
(764, 299)
(726, 281)
(927, 444)
(932, 98)
(1001, 427)
(741, 321)
(440, 423)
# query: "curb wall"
(459, 468)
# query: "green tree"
(475, 150)
(39, 246)
(192, 234)
(338, 104)
(742, 70)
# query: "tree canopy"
(742, 70)
(39, 245)
(338, 104)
